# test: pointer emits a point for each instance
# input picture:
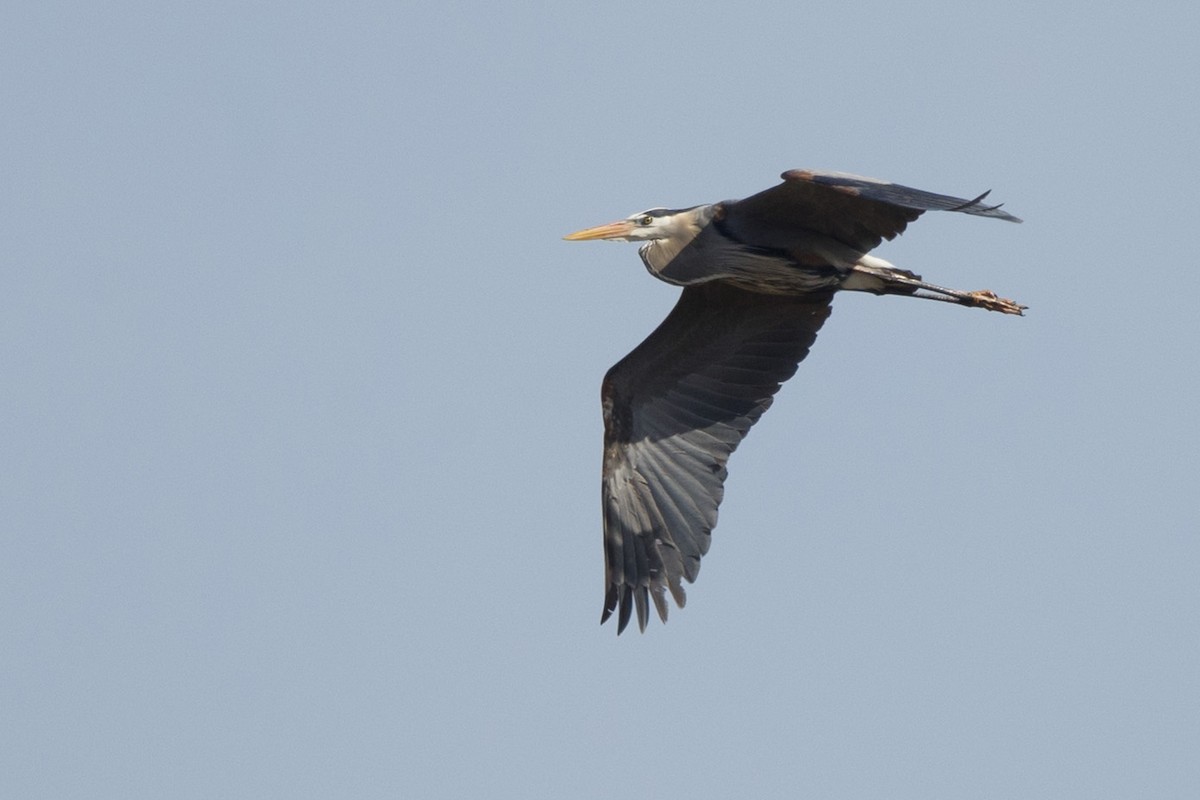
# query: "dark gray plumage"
(758, 277)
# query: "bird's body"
(758, 277)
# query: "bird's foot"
(994, 302)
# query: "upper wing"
(674, 410)
(859, 212)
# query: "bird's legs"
(880, 277)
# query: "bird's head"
(656, 223)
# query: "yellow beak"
(613, 230)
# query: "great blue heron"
(758, 277)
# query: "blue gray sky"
(300, 422)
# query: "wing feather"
(856, 211)
(675, 409)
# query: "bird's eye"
(645, 219)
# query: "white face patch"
(651, 224)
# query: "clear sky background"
(300, 424)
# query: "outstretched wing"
(674, 410)
(857, 211)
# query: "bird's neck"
(658, 253)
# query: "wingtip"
(624, 601)
(977, 207)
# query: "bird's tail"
(877, 276)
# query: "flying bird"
(758, 276)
